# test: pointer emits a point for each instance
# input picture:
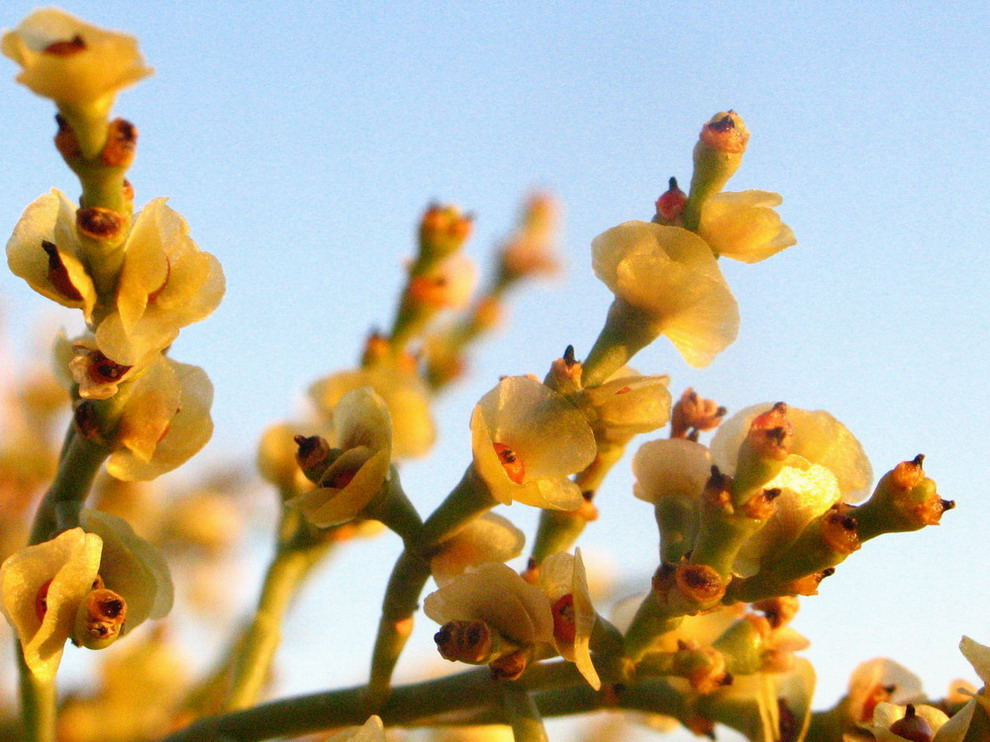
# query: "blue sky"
(301, 141)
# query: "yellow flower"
(166, 282)
(526, 439)
(44, 250)
(131, 567)
(671, 467)
(626, 405)
(827, 464)
(669, 277)
(891, 722)
(41, 588)
(79, 66)
(564, 582)
(363, 435)
(879, 680)
(165, 420)
(405, 395)
(497, 595)
(489, 538)
(743, 226)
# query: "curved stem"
(80, 462)
(257, 651)
(524, 716)
(38, 703)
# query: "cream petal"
(131, 567)
(71, 561)
(671, 467)
(489, 538)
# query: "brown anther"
(104, 371)
(105, 614)
(98, 223)
(66, 48)
(128, 191)
(514, 468)
(840, 531)
(770, 434)
(929, 512)
(564, 628)
(312, 454)
(568, 356)
(808, 585)
(58, 274)
(509, 667)
(912, 727)
(464, 641)
(692, 414)
(779, 611)
(41, 600)
(699, 583)
(120, 145)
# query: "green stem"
(524, 716)
(627, 330)
(469, 499)
(38, 703)
(81, 462)
(409, 575)
(285, 574)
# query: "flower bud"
(442, 231)
(670, 205)
(99, 619)
(465, 641)
(763, 451)
(717, 156)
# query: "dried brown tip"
(699, 582)
(510, 667)
(840, 530)
(464, 641)
(120, 145)
(66, 48)
(808, 585)
(568, 356)
(65, 139)
(99, 223)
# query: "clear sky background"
(302, 140)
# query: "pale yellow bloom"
(489, 538)
(165, 420)
(671, 277)
(131, 567)
(45, 251)
(79, 66)
(564, 582)
(166, 282)
(887, 714)
(743, 226)
(405, 395)
(877, 680)
(525, 440)
(671, 467)
(68, 565)
(363, 433)
(818, 437)
(626, 405)
(497, 595)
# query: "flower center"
(564, 629)
(514, 468)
